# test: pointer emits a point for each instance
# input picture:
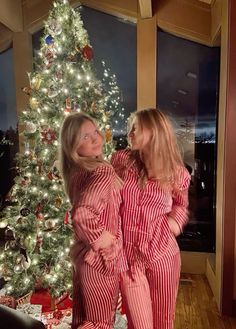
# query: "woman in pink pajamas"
(94, 192)
(154, 211)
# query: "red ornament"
(49, 58)
(25, 181)
(66, 218)
(50, 175)
(40, 216)
(48, 136)
(39, 241)
(59, 75)
(58, 314)
(39, 207)
(87, 53)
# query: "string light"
(27, 280)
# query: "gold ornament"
(36, 82)
(20, 259)
(77, 48)
(50, 224)
(108, 135)
(58, 202)
(34, 103)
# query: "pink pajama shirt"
(149, 288)
(96, 201)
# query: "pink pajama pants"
(149, 295)
(94, 298)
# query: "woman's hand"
(105, 241)
(174, 227)
(111, 253)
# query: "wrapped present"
(49, 304)
(120, 321)
(64, 302)
(60, 319)
(24, 299)
(35, 311)
(8, 301)
(43, 298)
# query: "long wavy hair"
(163, 156)
(68, 155)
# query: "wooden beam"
(209, 2)
(145, 7)
(189, 19)
(22, 49)
(11, 15)
(146, 62)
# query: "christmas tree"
(38, 230)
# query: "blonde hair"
(68, 156)
(164, 157)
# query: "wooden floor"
(196, 307)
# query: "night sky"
(7, 91)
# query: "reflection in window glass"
(8, 121)
(187, 80)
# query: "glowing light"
(27, 280)
(35, 261)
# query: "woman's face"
(90, 140)
(138, 138)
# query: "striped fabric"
(96, 203)
(97, 297)
(151, 248)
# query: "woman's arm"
(89, 207)
(119, 161)
(179, 213)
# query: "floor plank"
(196, 307)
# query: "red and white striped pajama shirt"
(95, 201)
(149, 288)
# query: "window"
(187, 90)
(8, 121)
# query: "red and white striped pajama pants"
(149, 295)
(95, 298)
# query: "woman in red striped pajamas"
(94, 192)
(154, 211)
